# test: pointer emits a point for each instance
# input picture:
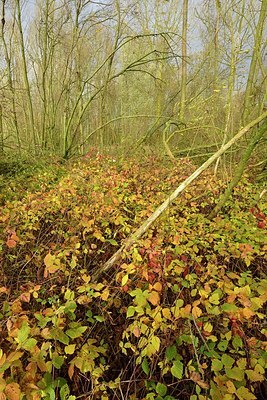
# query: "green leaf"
(140, 297)
(222, 345)
(161, 389)
(59, 335)
(226, 307)
(214, 298)
(23, 332)
(216, 365)
(235, 373)
(69, 295)
(99, 318)
(179, 303)
(171, 352)
(57, 361)
(177, 369)
(113, 242)
(49, 390)
(70, 306)
(29, 344)
(227, 361)
(74, 333)
(64, 392)
(145, 366)
(130, 311)
(237, 342)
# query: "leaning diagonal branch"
(144, 227)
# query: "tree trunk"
(254, 61)
(1, 132)
(240, 169)
(184, 60)
(31, 123)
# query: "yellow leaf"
(15, 355)
(230, 387)
(166, 313)
(203, 293)
(105, 294)
(254, 376)
(2, 358)
(207, 327)
(52, 264)
(86, 278)
(70, 349)
(247, 313)
(154, 298)
(185, 311)
(157, 286)
(197, 312)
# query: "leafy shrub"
(182, 314)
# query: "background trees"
(77, 73)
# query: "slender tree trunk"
(1, 131)
(31, 123)
(216, 45)
(9, 77)
(184, 60)
(228, 128)
(104, 94)
(44, 72)
(254, 62)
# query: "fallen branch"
(144, 227)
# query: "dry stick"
(144, 227)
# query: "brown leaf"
(136, 331)
(12, 391)
(71, 370)
(196, 377)
(11, 243)
(14, 237)
(25, 297)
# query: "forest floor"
(180, 316)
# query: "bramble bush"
(180, 317)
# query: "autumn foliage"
(181, 316)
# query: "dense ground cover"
(180, 317)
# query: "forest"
(133, 218)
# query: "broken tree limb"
(144, 227)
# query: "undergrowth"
(180, 317)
